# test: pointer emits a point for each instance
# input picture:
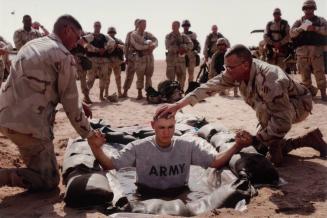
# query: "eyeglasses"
(230, 68)
(277, 14)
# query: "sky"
(235, 18)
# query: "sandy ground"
(306, 174)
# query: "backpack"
(203, 77)
(152, 96)
(170, 91)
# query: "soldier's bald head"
(241, 51)
(27, 21)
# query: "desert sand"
(304, 194)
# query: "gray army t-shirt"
(164, 168)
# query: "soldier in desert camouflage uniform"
(97, 53)
(42, 75)
(25, 34)
(130, 56)
(276, 38)
(143, 43)
(177, 45)
(191, 55)
(310, 41)
(116, 58)
(210, 42)
(278, 101)
(5, 47)
(78, 52)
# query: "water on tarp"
(198, 185)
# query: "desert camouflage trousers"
(176, 69)
(191, 65)
(82, 78)
(301, 108)
(130, 71)
(100, 69)
(41, 172)
(310, 60)
(144, 67)
(113, 66)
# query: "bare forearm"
(102, 158)
(223, 158)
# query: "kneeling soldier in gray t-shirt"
(163, 161)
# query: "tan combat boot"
(323, 94)
(120, 95)
(236, 92)
(139, 94)
(101, 94)
(106, 92)
(125, 93)
(312, 139)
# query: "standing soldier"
(177, 45)
(276, 37)
(79, 52)
(25, 34)
(116, 58)
(143, 44)
(309, 35)
(217, 63)
(191, 55)
(130, 61)
(210, 43)
(5, 47)
(42, 76)
(96, 51)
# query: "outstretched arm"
(104, 160)
(242, 139)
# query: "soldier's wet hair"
(241, 51)
(66, 20)
(159, 114)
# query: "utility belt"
(143, 53)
